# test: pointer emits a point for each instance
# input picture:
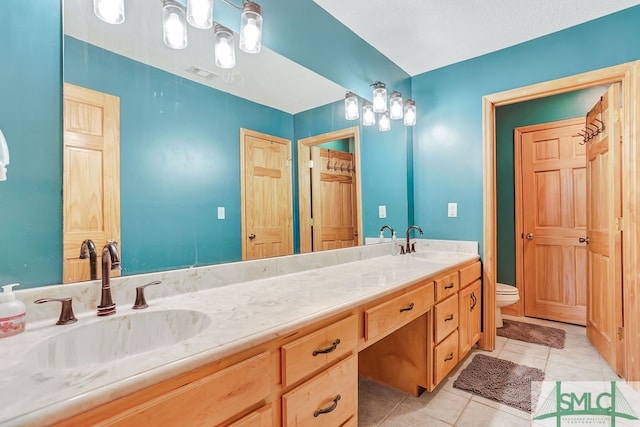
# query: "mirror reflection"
(175, 120)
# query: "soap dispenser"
(12, 312)
(381, 237)
(394, 244)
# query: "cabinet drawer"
(391, 315)
(446, 357)
(263, 417)
(446, 317)
(470, 274)
(314, 351)
(328, 399)
(207, 401)
(446, 285)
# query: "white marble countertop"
(242, 316)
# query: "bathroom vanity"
(283, 350)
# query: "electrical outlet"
(221, 212)
(452, 210)
(382, 211)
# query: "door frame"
(518, 308)
(304, 182)
(243, 193)
(628, 75)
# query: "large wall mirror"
(179, 140)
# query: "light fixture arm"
(236, 6)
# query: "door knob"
(530, 236)
(583, 240)
(252, 236)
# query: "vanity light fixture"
(410, 113)
(368, 116)
(109, 11)
(251, 28)
(200, 13)
(225, 53)
(379, 97)
(395, 105)
(4, 157)
(174, 24)
(351, 106)
(384, 124)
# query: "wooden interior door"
(553, 198)
(604, 248)
(266, 196)
(334, 206)
(91, 176)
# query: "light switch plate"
(382, 211)
(221, 212)
(452, 210)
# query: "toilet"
(505, 295)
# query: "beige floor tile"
(372, 409)
(584, 363)
(523, 359)
(477, 414)
(502, 407)
(540, 351)
(570, 372)
(442, 405)
(405, 416)
(381, 390)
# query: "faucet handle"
(66, 313)
(140, 300)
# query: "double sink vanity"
(263, 343)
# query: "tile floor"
(447, 406)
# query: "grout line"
(389, 413)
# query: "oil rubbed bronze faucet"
(110, 261)
(88, 250)
(409, 247)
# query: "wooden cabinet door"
(470, 308)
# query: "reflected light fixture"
(384, 123)
(225, 53)
(351, 106)
(109, 11)
(379, 97)
(368, 116)
(410, 113)
(251, 28)
(4, 157)
(200, 13)
(174, 24)
(395, 105)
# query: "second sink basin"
(115, 338)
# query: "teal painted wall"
(180, 159)
(30, 118)
(448, 137)
(509, 117)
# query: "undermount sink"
(114, 338)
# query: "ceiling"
(422, 35)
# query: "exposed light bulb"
(395, 106)
(410, 113)
(224, 50)
(384, 124)
(109, 11)
(351, 106)
(368, 116)
(174, 24)
(251, 28)
(379, 97)
(200, 13)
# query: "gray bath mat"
(502, 381)
(536, 334)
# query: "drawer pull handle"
(407, 308)
(449, 317)
(328, 409)
(328, 349)
(449, 357)
(449, 286)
